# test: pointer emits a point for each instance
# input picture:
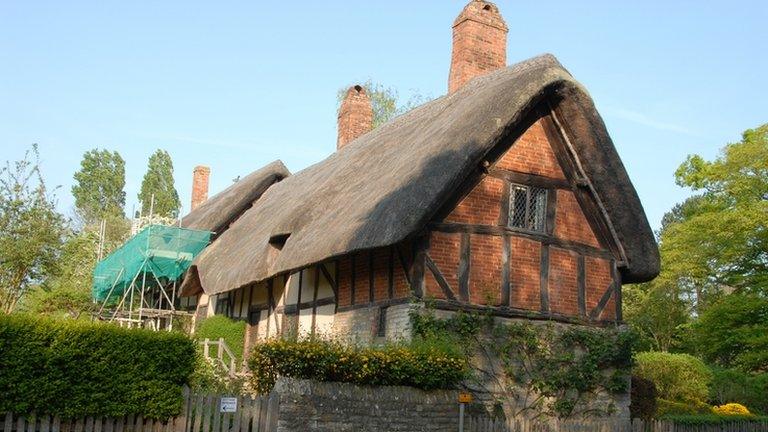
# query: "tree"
(158, 182)
(713, 244)
(385, 102)
(733, 332)
(30, 230)
(98, 189)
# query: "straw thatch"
(386, 186)
(216, 213)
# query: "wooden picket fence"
(486, 424)
(201, 413)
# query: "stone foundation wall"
(361, 326)
(336, 407)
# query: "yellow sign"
(465, 398)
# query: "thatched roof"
(217, 212)
(385, 186)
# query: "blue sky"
(235, 85)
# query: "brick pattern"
(401, 288)
(481, 205)
(345, 281)
(485, 269)
(570, 222)
(598, 278)
(444, 250)
(533, 154)
(355, 116)
(525, 273)
(479, 43)
(563, 288)
(200, 177)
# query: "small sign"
(228, 405)
(465, 398)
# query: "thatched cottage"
(506, 196)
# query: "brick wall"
(479, 43)
(355, 116)
(321, 406)
(482, 206)
(200, 177)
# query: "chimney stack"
(479, 43)
(355, 116)
(200, 177)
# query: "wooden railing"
(201, 413)
(229, 363)
(486, 424)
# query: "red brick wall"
(355, 116)
(524, 273)
(485, 269)
(531, 153)
(570, 222)
(481, 205)
(563, 286)
(345, 281)
(598, 278)
(444, 251)
(401, 288)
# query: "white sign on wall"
(228, 405)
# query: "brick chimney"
(355, 116)
(200, 177)
(479, 43)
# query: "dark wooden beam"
(506, 252)
(352, 270)
(465, 260)
(370, 277)
(391, 272)
(439, 278)
(544, 278)
(581, 281)
(420, 247)
(529, 179)
(379, 303)
(502, 231)
(595, 313)
(331, 281)
(404, 265)
(504, 212)
(316, 288)
(617, 286)
(551, 212)
(293, 309)
(511, 312)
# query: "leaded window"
(527, 207)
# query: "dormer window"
(527, 207)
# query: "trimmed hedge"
(714, 419)
(219, 326)
(75, 368)
(677, 377)
(420, 364)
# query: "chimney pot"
(479, 43)
(355, 116)
(200, 177)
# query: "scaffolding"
(136, 285)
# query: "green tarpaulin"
(163, 251)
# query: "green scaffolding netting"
(161, 253)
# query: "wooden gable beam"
(439, 278)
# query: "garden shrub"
(677, 377)
(421, 365)
(76, 368)
(732, 385)
(714, 419)
(643, 398)
(666, 408)
(219, 326)
(731, 409)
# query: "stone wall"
(319, 407)
(361, 325)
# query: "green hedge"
(677, 377)
(219, 326)
(731, 385)
(420, 364)
(710, 419)
(74, 369)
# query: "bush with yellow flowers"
(731, 409)
(420, 364)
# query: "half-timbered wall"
(562, 268)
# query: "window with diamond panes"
(527, 207)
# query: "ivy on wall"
(549, 369)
